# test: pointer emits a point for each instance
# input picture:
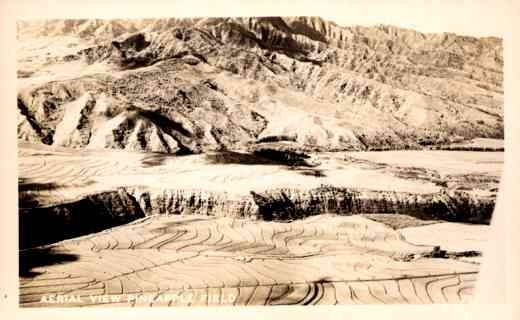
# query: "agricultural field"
(218, 257)
(325, 259)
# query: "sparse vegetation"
(288, 153)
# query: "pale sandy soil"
(399, 221)
(444, 162)
(481, 143)
(325, 259)
(457, 237)
(37, 52)
(74, 173)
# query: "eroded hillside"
(193, 85)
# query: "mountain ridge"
(234, 81)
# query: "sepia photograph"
(254, 160)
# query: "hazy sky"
(476, 17)
(467, 17)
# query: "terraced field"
(217, 258)
(51, 175)
(198, 260)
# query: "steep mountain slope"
(192, 85)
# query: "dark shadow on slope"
(299, 27)
(45, 134)
(262, 156)
(94, 213)
(399, 221)
(165, 123)
(231, 157)
(318, 173)
(41, 257)
(280, 207)
(25, 184)
(172, 226)
(173, 128)
(28, 190)
(156, 159)
(294, 163)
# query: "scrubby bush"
(276, 138)
(288, 154)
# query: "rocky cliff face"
(291, 204)
(191, 85)
(90, 214)
(100, 211)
